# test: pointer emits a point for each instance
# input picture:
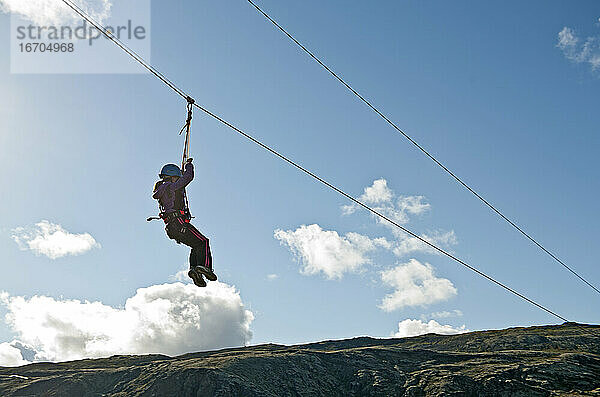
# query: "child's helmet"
(170, 170)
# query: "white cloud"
(383, 200)
(52, 240)
(55, 12)
(10, 356)
(567, 38)
(383, 243)
(169, 319)
(441, 315)
(272, 277)
(377, 193)
(407, 244)
(326, 251)
(321, 251)
(410, 327)
(413, 204)
(415, 285)
(181, 275)
(577, 50)
(446, 314)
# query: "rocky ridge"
(559, 360)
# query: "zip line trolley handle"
(187, 128)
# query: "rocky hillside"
(535, 361)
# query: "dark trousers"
(186, 233)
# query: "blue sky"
(483, 86)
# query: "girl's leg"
(187, 234)
(201, 251)
(178, 231)
(181, 232)
(193, 258)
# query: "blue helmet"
(170, 170)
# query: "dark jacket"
(170, 194)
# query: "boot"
(208, 273)
(197, 278)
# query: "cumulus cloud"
(415, 284)
(334, 255)
(567, 39)
(325, 251)
(329, 253)
(378, 193)
(181, 275)
(55, 12)
(10, 356)
(441, 315)
(407, 245)
(412, 204)
(169, 319)
(410, 327)
(447, 314)
(578, 50)
(52, 240)
(383, 200)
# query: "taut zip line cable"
(182, 93)
(421, 148)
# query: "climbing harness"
(168, 217)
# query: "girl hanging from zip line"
(170, 193)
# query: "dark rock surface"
(536, 361)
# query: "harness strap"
(170, 216)
(187, 128)
(186, 146)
